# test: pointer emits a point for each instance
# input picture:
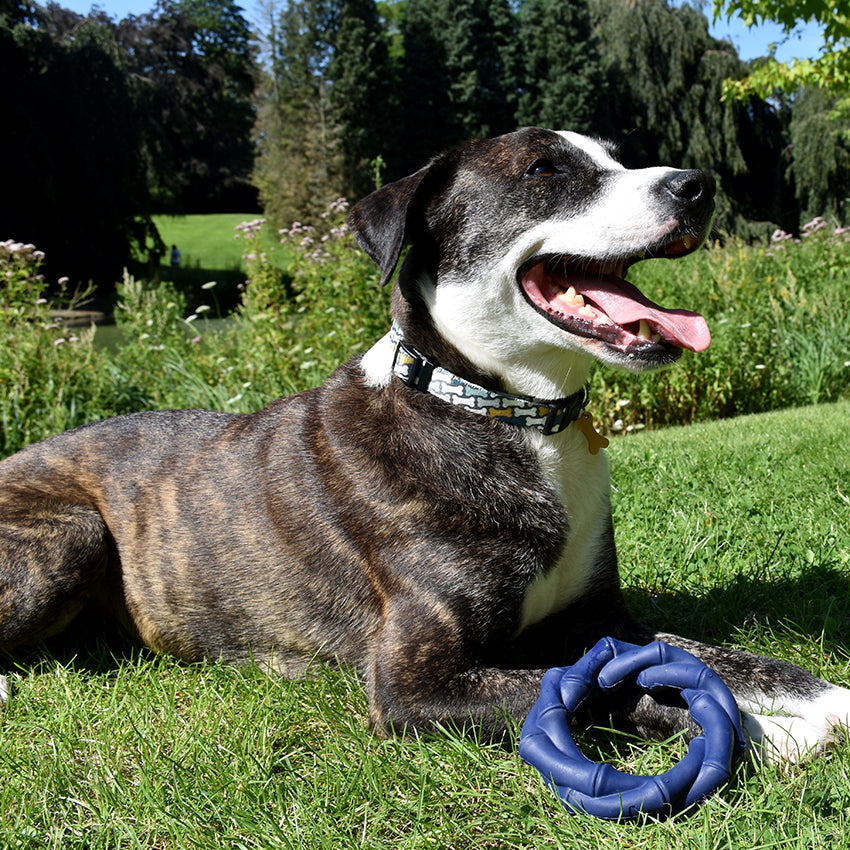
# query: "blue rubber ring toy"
(598, 789)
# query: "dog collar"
(420, 373)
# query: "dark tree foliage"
(402, 81)
(665, 76)
(427, 123)
(362, 91)
(459, 74)
(196, 80)
(820, 156)
(478, 39)
(562, 82)
(75, 182)
(105, 122)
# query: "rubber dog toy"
(597, 788)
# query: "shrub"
(780, 332)
(331, 309)
(777, 310)
(46, 370)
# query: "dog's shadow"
(813, 605)
(88, 647)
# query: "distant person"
(175, 257)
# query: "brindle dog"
(433, 506)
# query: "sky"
(750, 42)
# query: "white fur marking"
(799, 727)
(377, 363)
(581, 481)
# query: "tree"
(195, 66)
(427, 122)
(458, 75)
(820, 158)
(361, 92)
(665, 80)
(829, 71)
(299, 160)
(72, 142)
(563, 88)
(478, 41)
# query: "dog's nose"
(690, 186)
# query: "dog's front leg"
(788, 713)
(424, 674)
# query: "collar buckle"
(565, 412)
(413, 368)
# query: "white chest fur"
(582, 482)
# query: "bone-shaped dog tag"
(595, 441)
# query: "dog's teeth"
(587, 311)
(656, 337)
(689, 241)
(643, 331)
(572, 298)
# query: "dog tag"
(595, 440)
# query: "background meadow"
(734, 529)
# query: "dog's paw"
(807, 730)
(778, 739)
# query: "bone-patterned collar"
(420, 373)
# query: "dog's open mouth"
(591, 298)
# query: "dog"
(433, 515)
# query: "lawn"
(209, 241)
(205, 241)
(210, 251)
(736, 532)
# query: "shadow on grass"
(190, 281)
(94, 648)
(813, 605)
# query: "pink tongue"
(624, 303)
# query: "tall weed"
(333, 307)
(780, 332)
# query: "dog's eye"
(541, 168)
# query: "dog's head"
(520, 246)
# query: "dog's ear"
(381, 221)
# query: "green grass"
(209, 241)
(736, 532)
(210, 251)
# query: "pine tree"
(361, 92)
(477, 37)
(563, 86)
(426, 120)
(459, 74)
(298, 170)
